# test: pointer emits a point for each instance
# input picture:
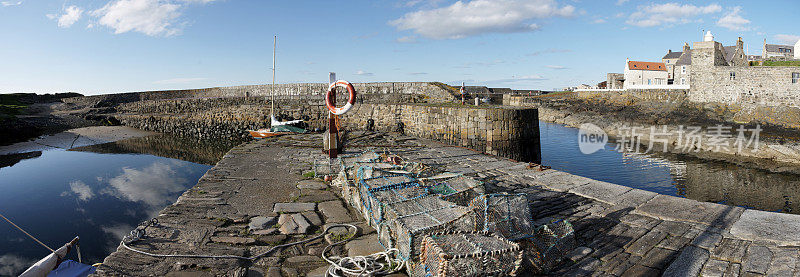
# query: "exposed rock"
(293, 224)
(311, 184)
(334, 212)
(233, 240)
(262, 222)
(293, 207)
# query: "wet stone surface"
(258, 203)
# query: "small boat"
(265, 133)
(277, 128)
(55, 265)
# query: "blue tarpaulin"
(72, 268)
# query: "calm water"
(98, 192)
(703, 180)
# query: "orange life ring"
(350, 101)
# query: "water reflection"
(677, 175)
(100, 197)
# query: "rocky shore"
(777, 149)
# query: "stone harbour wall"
(429, 91)
(509, 132)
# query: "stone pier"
(257, 197)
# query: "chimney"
(739, 43)
(685, 46)
(670, 51)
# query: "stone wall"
(712, 81)
(429, 91)
(508, 132)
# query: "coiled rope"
(375, 264)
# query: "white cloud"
(9, 3)
(669, 13)
(555, 67)
(12, 265)
(788, 39)
(734, 21)
(549, 51)
(515, 79)
(154, 185)
(407, 39)
(362, 73)
(178, 81)
(620, 2)
(198, 1)
(71, 15)
(150, 17)
(599, 21)
(476, 17)
(83, 191)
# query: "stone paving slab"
(780, 228)
(620, 231)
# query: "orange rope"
(336, 119)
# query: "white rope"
(380, 263)
(139, 232)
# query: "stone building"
(615, 80)
(644, 73)
(671, 60)
(717, 76)
(777, 52)
(682, 66)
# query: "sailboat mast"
(274, 44)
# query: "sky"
(108, 46)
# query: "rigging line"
(31, 236)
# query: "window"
(649, 81)
(683, 81)
(733, 75)
(683, 69)
(795, 77)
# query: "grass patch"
(308, 175)
(780, 63)
(11, 109)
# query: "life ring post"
(331, 143)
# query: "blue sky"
(105, 46)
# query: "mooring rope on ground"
(377, 263)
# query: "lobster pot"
(366, 156)
(350, 193)
(552, 243)
(468, 254)
(408, 220)
(366, 187)
(378, 199)
(460, 190)
(508, 215)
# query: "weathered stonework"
(714, 81)
(509, 132)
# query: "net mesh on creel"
(405, 221)
(455, 253)
(506, 214)
(551, 243)
(460, 189)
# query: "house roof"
(729, 51)
(654, 66)
(672, 55)
(774, 47)
(685, 59)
